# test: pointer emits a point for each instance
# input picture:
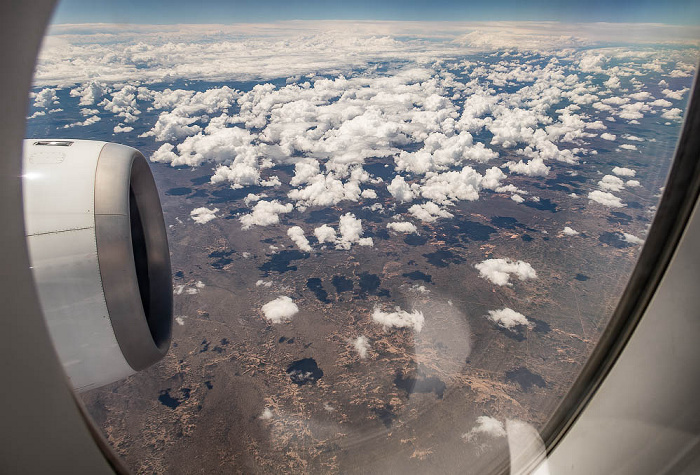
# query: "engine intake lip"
(133, 255)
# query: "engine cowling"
(99, 255)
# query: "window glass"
(387, 238)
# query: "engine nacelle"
(99, 255)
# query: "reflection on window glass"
(388, 239)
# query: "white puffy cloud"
(349, 233)
(304, 171)
(325, 234)
(253, 198)
(402, 227)
(362, 346)
(611, 183)
(203, 215)
(46, 98)
(517, 198)
(119, 128)
(280, 310)
(265, 213)
(607, 136)
(189, 107)
(399, 319)
(445, 188)
(89, 121)
(605, 198)
(613, 82)
(123, 103)
(499, 271)
(673, 114)
(401, 190)
(174, 127)
(661, 103)
(296, 234)
(568, 231)
(90, 92)
(326, 190)
(485, 426)
(441, 151)
(628, 146)
(676, 95)
(640, 96)
(369, 194)
(429, 212)
(534, 167)
(632, 183)
(350, 229)
(508, 318)
(622, 171)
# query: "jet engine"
(99, 256)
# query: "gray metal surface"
(59, 219)
(137, 289)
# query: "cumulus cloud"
(429, 212)
(632, 183)
(485, 426)
(350, 229)
(508, 318)
(622, 171)
(640, 96)
(346, 130)
(89, 121)
(280, 310)
(611, 183)
(499, 271)
(673, 114)
(605, 198)
(399, 319)
(90, 92)
(265, 213)
(569, 231)
(46, 98)
(325, 234)
(362, 346)
(402, 227)
(534, 167)
(661, 103)
(203, 215)
(296, 234)
(401, 190)
(369, 194)
(676, 95)
(119, 128)
(123, 103)
(445, 188)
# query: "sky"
(681, 12)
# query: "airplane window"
(389, 239)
